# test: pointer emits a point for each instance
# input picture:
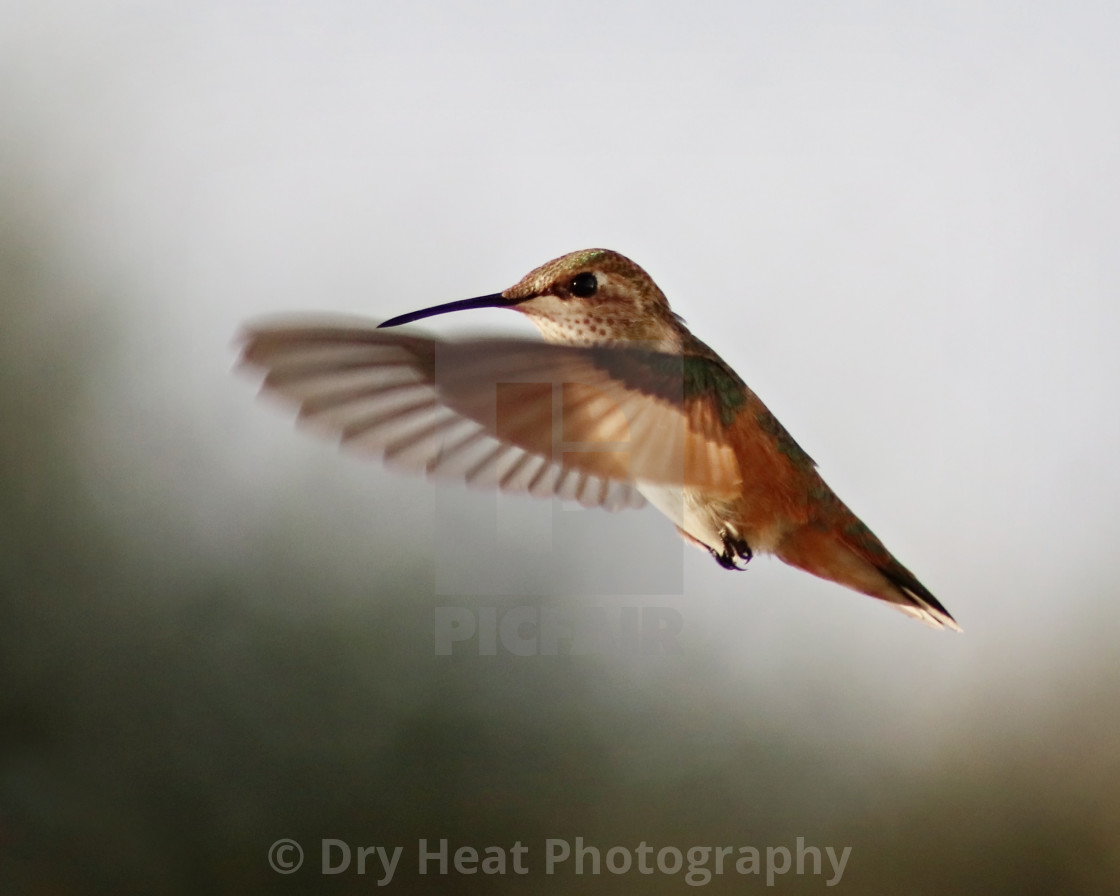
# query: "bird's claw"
(736, 553)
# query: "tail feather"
(926, 607)
(851, 555)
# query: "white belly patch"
(697, 518)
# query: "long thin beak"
(496, 300)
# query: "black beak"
(497, 300)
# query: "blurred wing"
(582, 424)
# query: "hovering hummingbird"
(620, 405)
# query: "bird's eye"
(583, 285)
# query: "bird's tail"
(844, 550)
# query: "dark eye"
(583, 285)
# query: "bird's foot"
(736, 553)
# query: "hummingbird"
(620, 405)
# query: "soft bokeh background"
(898, 221)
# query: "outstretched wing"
(578, 423)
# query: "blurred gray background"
(898, 221)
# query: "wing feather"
(581, 424)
